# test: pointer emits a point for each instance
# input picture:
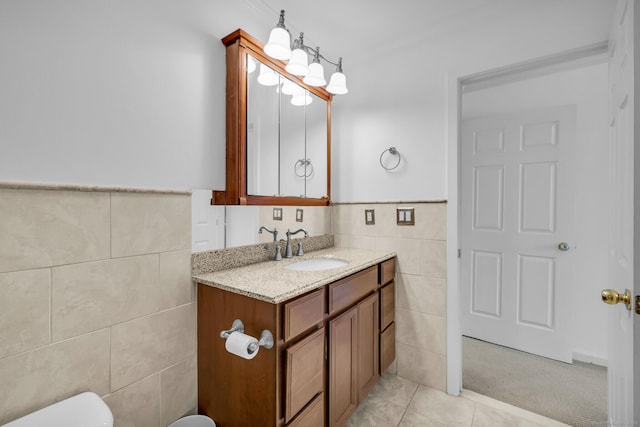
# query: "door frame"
(454, 85)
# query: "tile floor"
(397, 402)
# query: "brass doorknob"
(610, 296)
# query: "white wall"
(125, 92)
(585, 87)
(131, 92)
(397, 95)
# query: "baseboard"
(588, 358)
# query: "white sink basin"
(317, 264)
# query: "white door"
(516, 211)
(624, 246)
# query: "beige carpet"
(575, 394)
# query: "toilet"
(82, 410)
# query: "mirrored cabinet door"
(292, 142)
(316, 149)
(262, 129)
(278, 132)
(286, 136)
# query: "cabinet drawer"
(303, 313)
(345, 292)
(304, 373)
(387, 271)
(312, 416)
(387, 347)
(387, 305)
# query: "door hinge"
(459, 253)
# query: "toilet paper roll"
(238, 344)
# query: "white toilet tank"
(83, 410)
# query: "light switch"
(405, 216)
(277, 214)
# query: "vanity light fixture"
(267, 76)
(279, 47)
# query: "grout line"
(50, 305)
(409, 404)
(110, 226)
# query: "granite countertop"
(270, 281)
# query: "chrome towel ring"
(303, 168)
(394, 152)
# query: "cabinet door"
(387, 347)
(312, 416)
(343, 349)
(368, 333)
(305, 373)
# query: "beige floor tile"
(413, 419)
(527, 418)
(442, 408)
(376, 412)
(485, 416)
(394, 389)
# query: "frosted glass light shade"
(279, 44)
(316, 75)
(267, 76)
(251, 65)
(289, 87)
(337, 84)
(298, 64)
(301, 98)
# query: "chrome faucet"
(288, 253)
(278, 255)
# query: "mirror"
(278, 132)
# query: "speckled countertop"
(270, 281)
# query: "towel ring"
(393, 151)
(304, 163)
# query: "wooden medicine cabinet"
(278, 132)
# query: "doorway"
(579, 84)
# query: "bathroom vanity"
(333, 330)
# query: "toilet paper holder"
(266, 337)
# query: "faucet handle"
(278, 256)
(300, 251)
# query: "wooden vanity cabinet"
(329, 350)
